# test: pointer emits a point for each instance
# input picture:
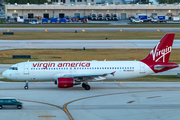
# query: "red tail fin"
(162, 51)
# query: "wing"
(98, 76)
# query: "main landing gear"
(26, 86)
(86, 86)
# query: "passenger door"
(26, 69)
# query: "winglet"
(113, 73)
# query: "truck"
(161, 18)
(108, 16)
(176, 19)
(20, 19)
(114, 16)
(94, 16)
(143, 17)
(100, 16)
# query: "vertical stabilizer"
(162, 51)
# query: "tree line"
(168, 1)
(26, 1)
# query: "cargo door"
(77, 15)
(26, 69)
(142, 68)
(123, 16)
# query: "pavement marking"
(83, 30)
(130, 101)
(8, 64)
(47, 116)
(36, 83)
(153, 97)
(8, 30)
(0, 75)
(121, 82)
(158, 30)
(46, 30)
(65, 105)
(121, 30)
(65, 110)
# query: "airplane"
(69, 73)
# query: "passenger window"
(1, 101)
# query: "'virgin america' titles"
(161, 53)
(80, 64)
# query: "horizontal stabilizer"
(159, 67)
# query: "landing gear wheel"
(1, 107)
(26, 87)
(83, 85)
(19, 107)
(87, 87)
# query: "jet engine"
(66, 82)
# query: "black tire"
(1, 107)
(83, 85)
(26, 87)
(87, 87)
(19, 107)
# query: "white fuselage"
(48, 71)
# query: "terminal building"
(124, 11)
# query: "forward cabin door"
(26, 69)
(142, 68)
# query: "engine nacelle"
(66, 82)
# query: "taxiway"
(105, 101)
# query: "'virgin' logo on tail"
(158, 54)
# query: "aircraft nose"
(4, 74)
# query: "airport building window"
(72, 0)
(79, 0)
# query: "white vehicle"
(20, 19)
(108, 16)
(114, 16)
(94, 16)
(34, 23)
(136, 20)
(176, 19)
(100, 16)
(69, 73)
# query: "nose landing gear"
(26, 86)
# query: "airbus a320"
(69, 73)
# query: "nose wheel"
(86, 86)
(26, 86)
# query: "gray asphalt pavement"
(79, 44)
(90, 29)
(105, 101)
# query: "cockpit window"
(13, 68)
